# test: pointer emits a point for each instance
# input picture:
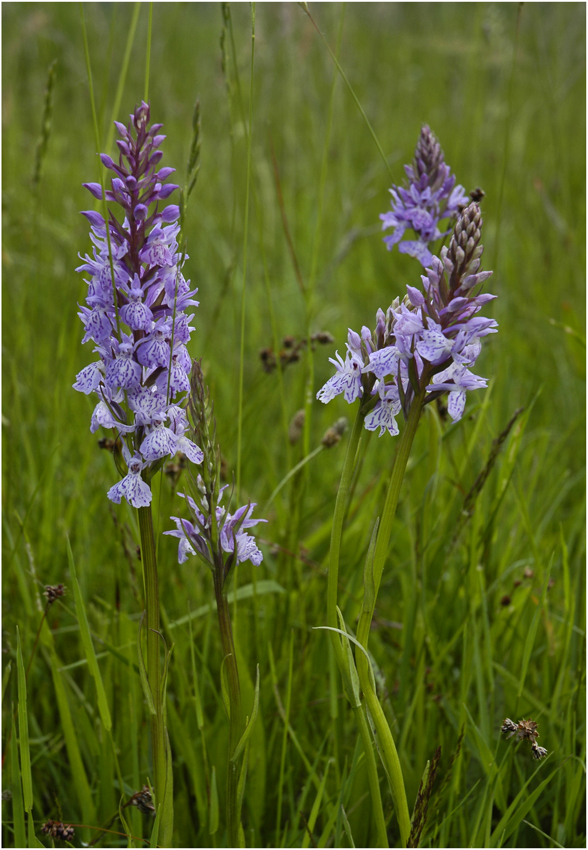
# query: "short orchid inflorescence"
(136, 312)
(425, 344)
(218, 537)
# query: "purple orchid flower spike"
(136, 303)
(427, 342)
(431, 195)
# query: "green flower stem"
(333, 621)
(337, 533)
(153, 650)
(372, 769)
(385, 738)
(385, 529)
(235, 714)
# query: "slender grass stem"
(316, 245)
(333, 621)
(148, 52)
(245, 236)
(153, 654)
(352, 93)
(235, 713)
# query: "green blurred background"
(503, 88)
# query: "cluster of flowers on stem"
(525, 730)
(427, 343)
(136, 312)
(220, 538)
(430, 196)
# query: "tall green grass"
(462, 637)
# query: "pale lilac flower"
(194, 537)
(455, 380)
(386, 409)
(136, 491)
(348, 377)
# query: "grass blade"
(142, 671)
(23, 729)
(214, 810)
(88, 645)
(531, 634)
(80, 780)
(249, 728)
(17, 801)
(518, 809)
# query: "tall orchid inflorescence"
(136, 314)
(428, 342)
(220, 538)
(431, 195)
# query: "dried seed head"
(268, 359)
(53, 592)
(509, 728)
(538, 752)
(296, 427)
(143, 801)
(57, 829)
(323, 337)
(527, 730)
(334, 433)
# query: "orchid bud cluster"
(136, 312)
(426, 343)
(431, 195)
(220, 538)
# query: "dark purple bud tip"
(94, 188)
(157, 140)
(154, 129)
(166, 191)
(164, 173)
(154, 158)
(121, 129)
(131, 183)
(141, 212)
(94, 218)
(106, 160)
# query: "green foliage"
(480, 614)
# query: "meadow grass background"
(462, 638)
